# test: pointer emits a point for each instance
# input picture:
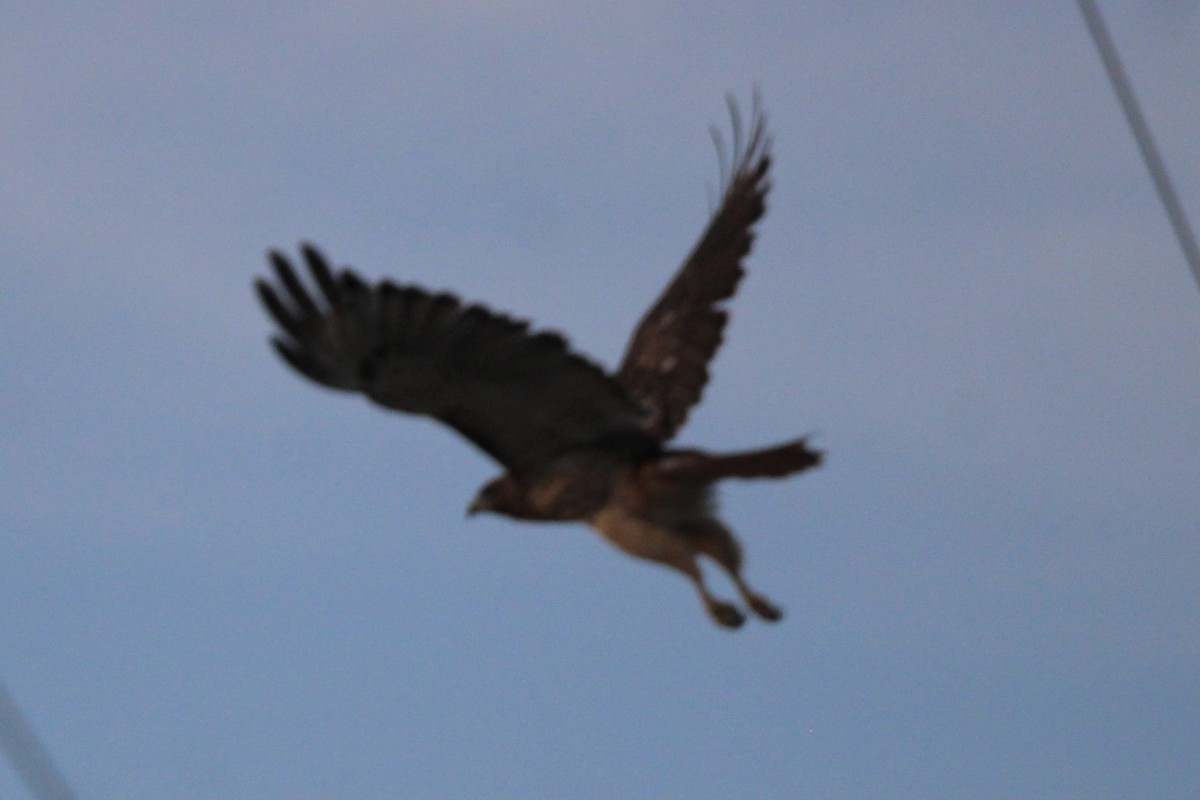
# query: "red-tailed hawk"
(578, 444)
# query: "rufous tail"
(770, 462)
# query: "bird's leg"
(724, 613)
(759, 604)
(671, 548)
(719, 544)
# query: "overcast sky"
(218, 581)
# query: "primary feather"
(520, 396)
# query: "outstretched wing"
(522, 397)
(666, 365)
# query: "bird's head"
(502, 495)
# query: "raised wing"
(522, 397)
(666, 365)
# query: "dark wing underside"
(666, 365)
(522, 397)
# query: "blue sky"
(217, 581)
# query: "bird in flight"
(577, 443)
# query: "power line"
(28, 756)
(1141, 132)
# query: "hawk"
(577, 443)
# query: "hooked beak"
(477, 506)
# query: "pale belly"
(640, 538)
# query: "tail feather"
(770, 462)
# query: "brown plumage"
(577, 443)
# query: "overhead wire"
(1141, 132)
(28, 756)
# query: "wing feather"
(666, 364)
(522, 397)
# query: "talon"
(726, 615)
(765, 609)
